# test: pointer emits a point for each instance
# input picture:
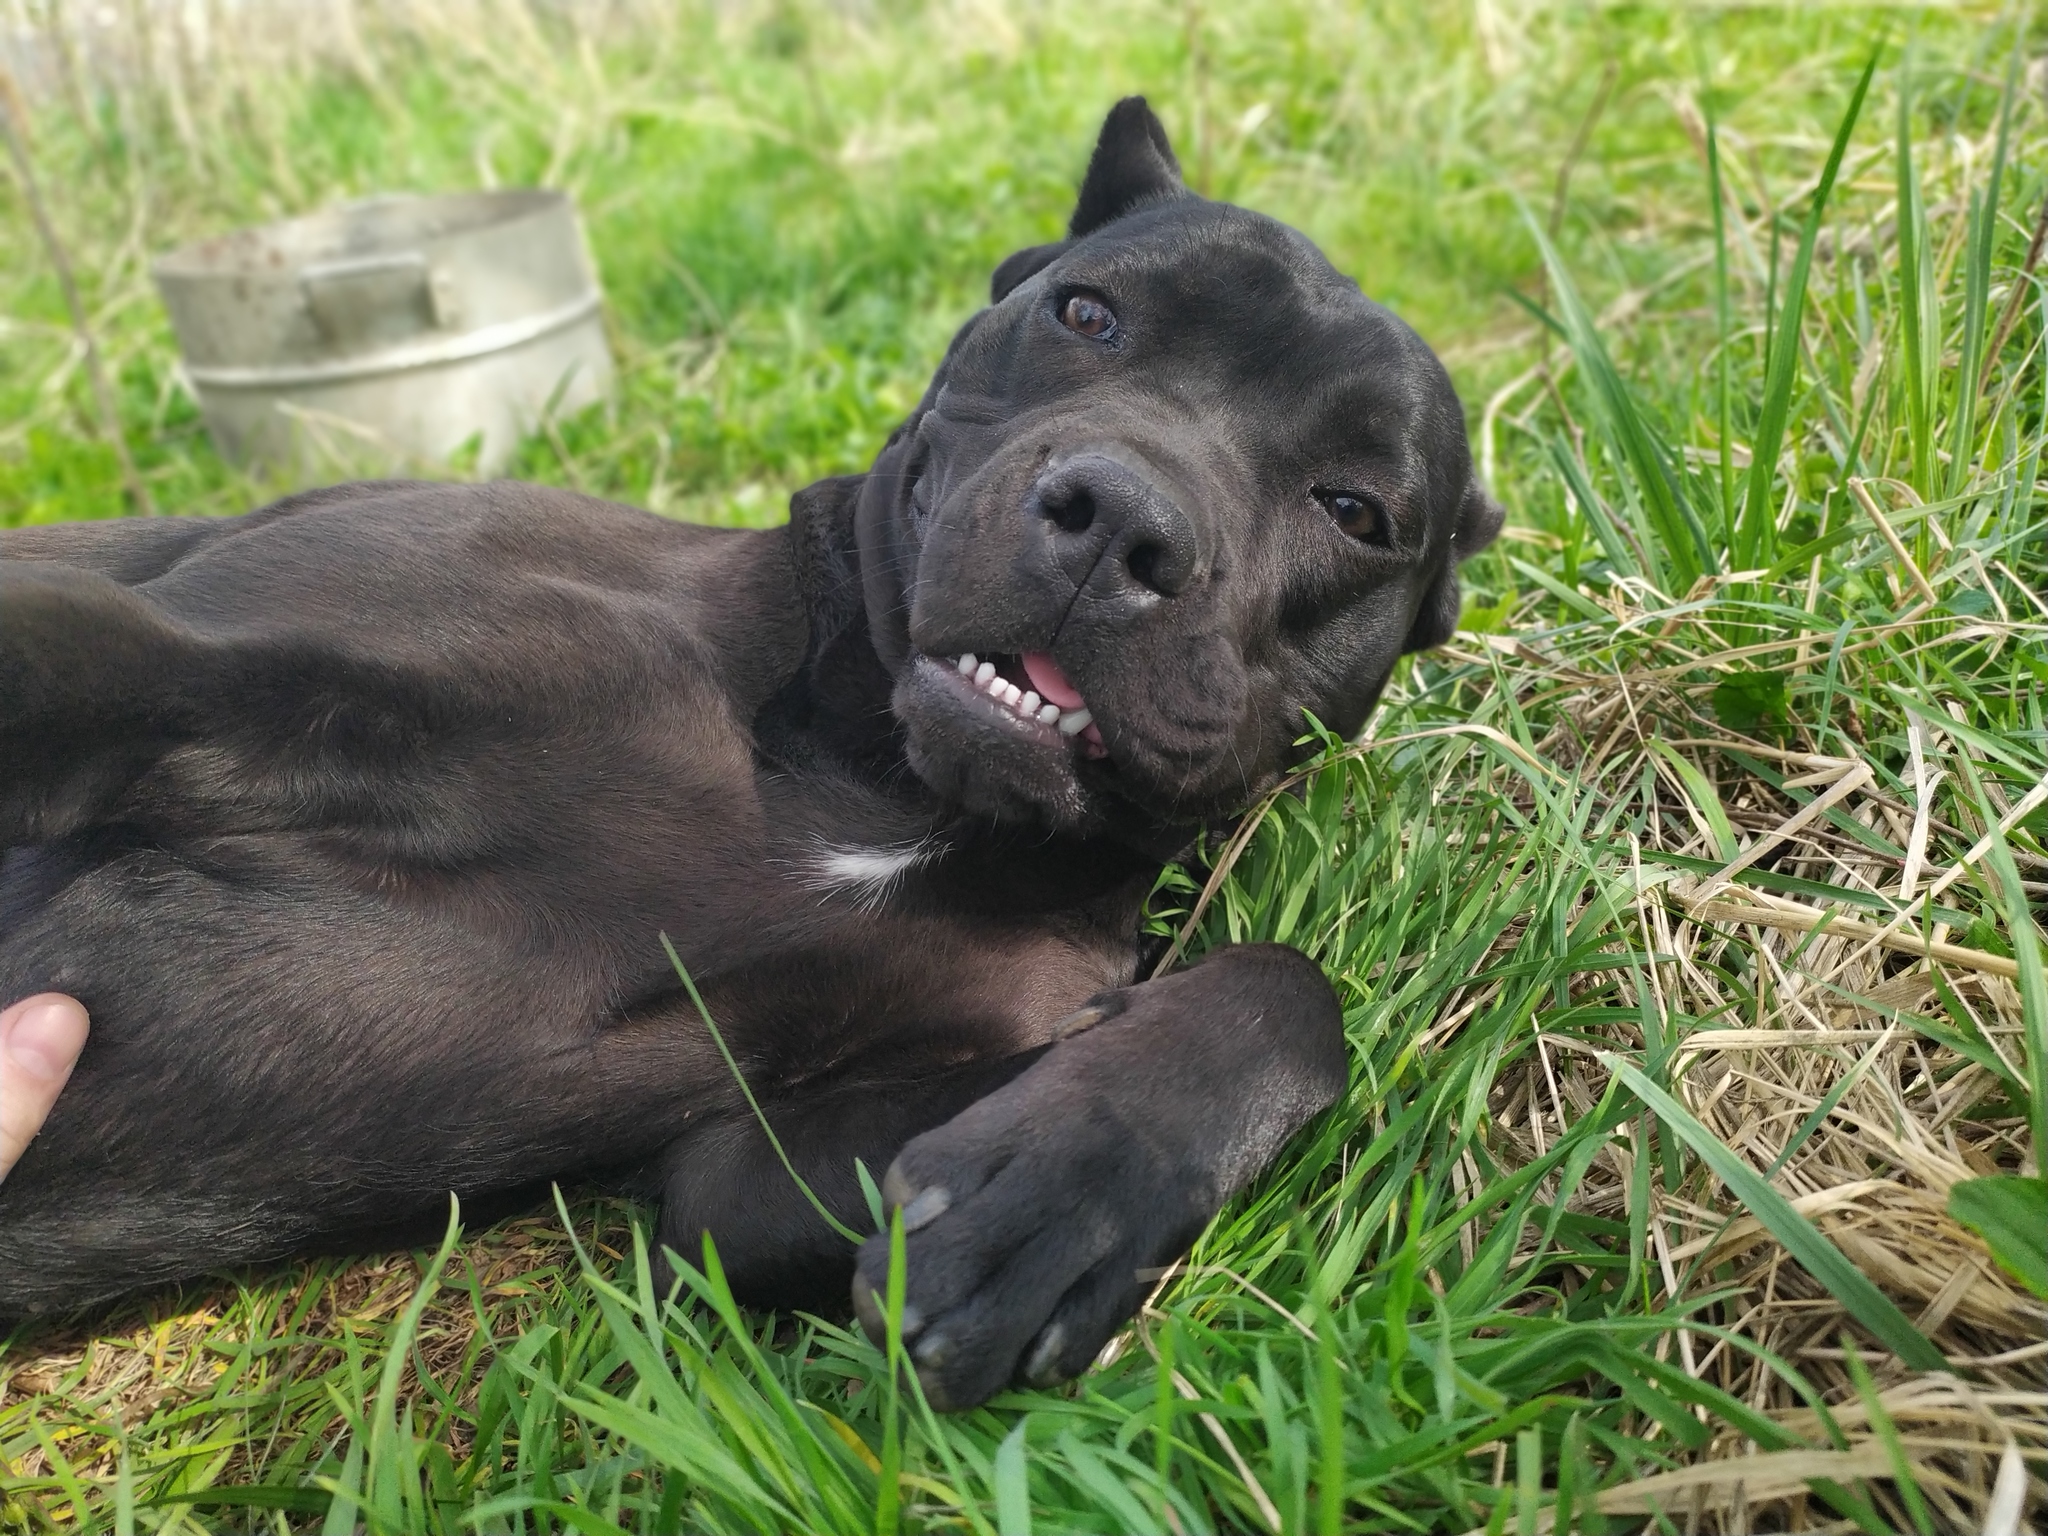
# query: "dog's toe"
(1092, 1310)
(1024, 1240)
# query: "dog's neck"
(833, 714)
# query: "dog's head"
(1180, 483)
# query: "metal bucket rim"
(457, 347)
(243, 253)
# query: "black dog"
(355, 821)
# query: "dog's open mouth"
(1031, 688)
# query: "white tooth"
(993, 687)
(983, 673)
(1047, 713)
(1031, 702)
(1011, 694)
(966, 665)
(1075, 721)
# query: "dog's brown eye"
(1088, 315)
(1359, 513)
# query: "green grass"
(1574, 1227)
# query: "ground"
(1684, 908)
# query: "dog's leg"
(90, 680)
(726, 1179)
(96, 682)
(125, 549)
(113, 711)
(1038, 1216)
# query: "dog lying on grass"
(355, 821)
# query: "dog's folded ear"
(823, 545)
(1021, 266)
(1133, 165)
(1479, 522)
(1437, 619)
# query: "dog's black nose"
(1137, 531)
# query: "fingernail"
(46, 1040)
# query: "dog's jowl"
(356, 821)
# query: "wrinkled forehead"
(1225, 309)
(1235, 284)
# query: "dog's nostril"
(1143, 564)
(1072, 513)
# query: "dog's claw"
(1041, 1366)
(1079, 1021)
(926, 1208)
(867, 1307)
(897, 1190)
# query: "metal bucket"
(390, 332)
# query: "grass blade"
(1756, 529)
(2011, 1215)
(760, 1118)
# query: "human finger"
(40, 1038)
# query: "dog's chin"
(978, 754)
(992, 760)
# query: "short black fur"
(356, 821)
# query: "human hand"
(40, 1038)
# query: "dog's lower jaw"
(983, 756)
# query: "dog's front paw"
(1030, 1222)
(1036, 1218)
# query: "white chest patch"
(867, 876)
